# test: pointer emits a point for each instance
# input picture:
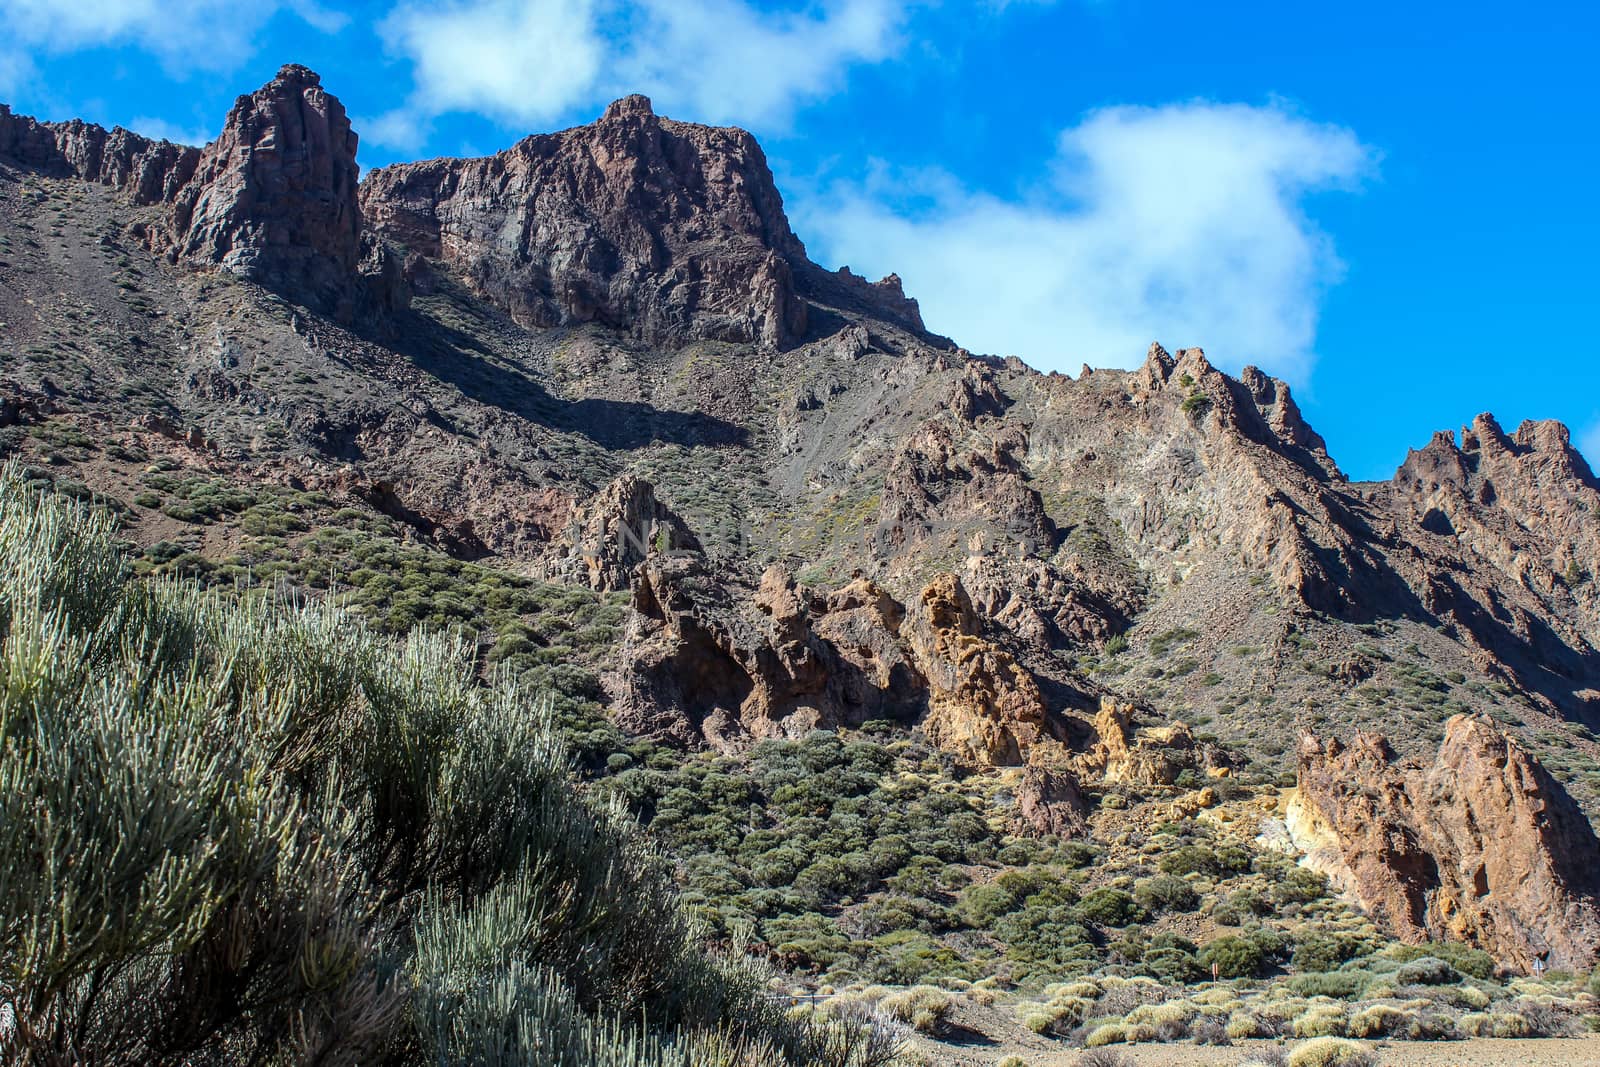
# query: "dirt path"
(1477, 1052)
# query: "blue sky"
(1390, 205)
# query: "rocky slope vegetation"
(599, 367)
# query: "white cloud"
(721, 61)
(1182, 223)
(530, 62)
(213, 34)
(520, 61)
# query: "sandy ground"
(987, 1033)
(1478, 1052)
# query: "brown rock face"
(613, 533)
(1153, 757)
(669, 230)
(151, 172)
(273, 198)
(1482, 845)
(699, 663)
(1050, 802)
(982, 704)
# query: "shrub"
(1342, 985)
(1330, 1052)
(925, 1008)
(1233, 956)
(1321, 1020)
(1166, 892)
(1102, 1057)
(1272, 1056)
(1473, 962)
(1106, 1034)
(1427, 970)
(1380, 1020)
(345, 849)
(1108, 907)
(1209, 1030)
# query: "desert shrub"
(1325, 952)
(344, 848)
(1108, 907)
(1330, 1052)
(1106, 1034)
(1321, 1020)
(1432, 1026)
(1473, 962)
(1547, 1016)
(1102, 1057)
(1427, 970)
(924, 1008)
(1243, 1025)
(1166, 892)
(1272, 1056)
(1343, 985)
(1380, 1020)
(1233, 956)
(1209, 1030)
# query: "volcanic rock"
(983, 705)
(1482, 845)
(668, 230)
(1049, 801)
(1152, 757)
(273, 198)
(612, 533)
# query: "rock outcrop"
(273, 198)
(612, 533)
(150, 172)
(1152, 757)
(667, 230)
(1050, 801)
(701, 662)
(982, 704)
(1481, 845)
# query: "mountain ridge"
(628, 242)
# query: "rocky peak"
(1480, 845)
(669, 230)
(273, 198)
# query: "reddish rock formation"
(669, 230)
(150, 172)
(700, 663)
(982, 704)
(273, 198)
(1481, 845)
(1049, 801)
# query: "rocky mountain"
(602, 358)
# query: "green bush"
(1166, 892)
(1472, 962)
(1233, 956)
(1427, 970)
(239, 831)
